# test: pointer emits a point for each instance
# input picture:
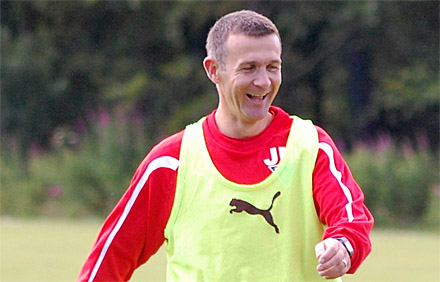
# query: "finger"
(337, 271)
(330, 249)
(319, 249)
(334, 261)
(330, 263)
(334, 271)
(334, 268)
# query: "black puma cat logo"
(251, 209)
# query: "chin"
(257, 115)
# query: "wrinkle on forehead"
(242, 49)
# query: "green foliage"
(88, 173)
(81, 178)
(400, 184)
(404, 88)
(350, 66)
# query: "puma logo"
(241, 205)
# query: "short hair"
(244, 22)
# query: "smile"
(256, 97)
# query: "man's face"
(250, 77)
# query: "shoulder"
(324, 136)
(329, 156)
(326, 140)
(164, 154)
(285, 120)
(169, 146)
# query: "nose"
(262, 79)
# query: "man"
(248, 193)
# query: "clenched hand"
(333, 258)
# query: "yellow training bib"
(223, 231)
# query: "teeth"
(253, 96)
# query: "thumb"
(319, 249)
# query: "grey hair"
(244, 22)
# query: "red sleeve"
(134, 230)
(339, 200)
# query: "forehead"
(241, 48)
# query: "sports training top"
(134, 230)
(207, 241)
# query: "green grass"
(54, 250)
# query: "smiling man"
(247, 83)
(297, 213)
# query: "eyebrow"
(256, 62)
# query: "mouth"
(257, 97)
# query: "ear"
(212, 69)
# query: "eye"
(248, 67)
(274, 67)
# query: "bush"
(78, 177)
(399, 182)
(87, 172)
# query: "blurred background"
(88, 87)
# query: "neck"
(237, 128)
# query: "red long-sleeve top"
(134, 230)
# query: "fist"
(333, 259)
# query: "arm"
(340, 205)
(134, 230)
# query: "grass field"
(54, 250)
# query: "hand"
(333, 258)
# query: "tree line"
(358, 68)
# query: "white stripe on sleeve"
(338, 175)
(161, 162)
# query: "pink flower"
(383, 143)
(55, 191)
(423, 141)
(104, 118)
